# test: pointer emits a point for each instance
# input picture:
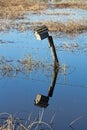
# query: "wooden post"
(53, 51)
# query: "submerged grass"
(11, 68)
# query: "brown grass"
(70, 4)
(15, 8)
(68, 27)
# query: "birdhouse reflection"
(43, 101)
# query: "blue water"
(58, 15)
(17, 93)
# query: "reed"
(24, 66)
(68, 27)
(12, 9)
(71, 4)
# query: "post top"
(41, 32)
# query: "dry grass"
(78, 26)
(6, 25)
(17, 8)
(28, 64)
(68, 27)
(25, 66)
(71, 4)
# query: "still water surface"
(17, 93)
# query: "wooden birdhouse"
(41, 32)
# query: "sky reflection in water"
(70, 93)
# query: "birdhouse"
(41, 100)
(41, 32)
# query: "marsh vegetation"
(17, 9)
(26, 66)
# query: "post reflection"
(43, 100)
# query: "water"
(18, 92)
(58, 15)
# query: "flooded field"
(26, 69)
